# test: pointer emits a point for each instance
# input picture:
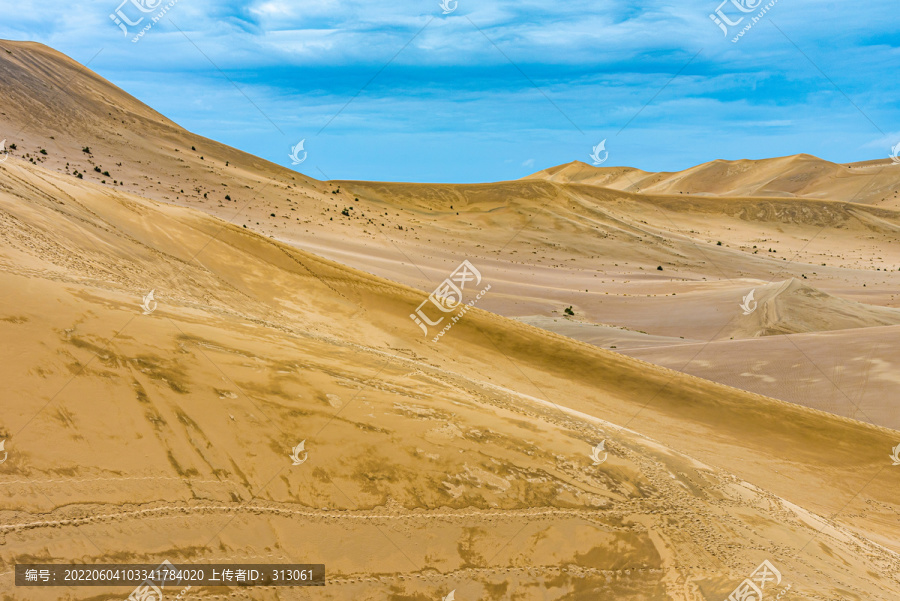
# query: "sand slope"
(458, 465)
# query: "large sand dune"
(458, 465)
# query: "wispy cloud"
(497, 89)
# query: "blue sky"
(495, 90)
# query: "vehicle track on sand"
(331, 515)
(114, 479)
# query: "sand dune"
(798, 176)
(791, 307)
(255, 346)
(463, 464)
(548, 244)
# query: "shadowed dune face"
(139, 430)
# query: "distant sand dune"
(798, 176)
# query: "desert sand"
(459, 465)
